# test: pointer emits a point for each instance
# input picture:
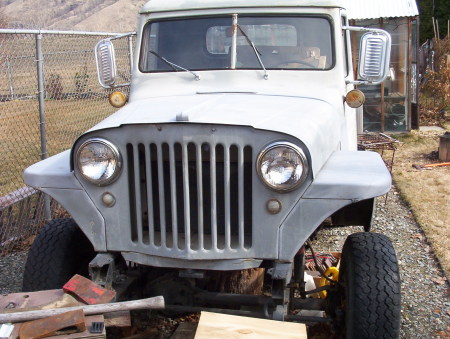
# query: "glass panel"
(396, 88)
(299, 43)
(205, 43)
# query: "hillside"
(81, 15)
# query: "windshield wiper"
(257, 53)
(175, 67)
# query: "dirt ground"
(426, 191)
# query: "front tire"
(371, 297)
(59, 251)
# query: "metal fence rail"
(49, 95)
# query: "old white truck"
(237, 142)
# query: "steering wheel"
(301, 62)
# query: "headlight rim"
(115, 151)
(292, 146)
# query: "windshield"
(282, 42)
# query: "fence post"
(10, 77)
(41, 98)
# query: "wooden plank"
(216, 325)
(85, 334)
(48, 327)
(80, 335)
(185, 331)
(444, 147)
(16, 302)
(118, 319)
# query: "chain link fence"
(49, 95)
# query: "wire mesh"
(380, 143)
(73, 102)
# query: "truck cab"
(237, 141)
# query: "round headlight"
(282, 166)
(99, 161)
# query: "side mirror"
(106, 63)
(374, 56)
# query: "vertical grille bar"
(226, 169)
(137, 191)
(200, 196)
(247, 201)
(173, 195)
(131, 189)
(143, 193)
(187, 210)
(241, 196)
(162, 198)
(213, 196)
(151, 213)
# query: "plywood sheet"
(216, 325)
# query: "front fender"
(352, 175)
(347, 177)
(54, 177)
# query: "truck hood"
(313, 121)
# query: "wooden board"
(444, 147)
(118, 319)
(215, 325)
(79, 335)
(32, 300)
(86, 334)
(47, 327)
(185, 331)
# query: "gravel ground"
(425, 290)
(11, 272)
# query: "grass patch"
(20, 142)
(426, 191)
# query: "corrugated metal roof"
(371, 9)
(356, 9)
(178, 5)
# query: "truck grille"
(190, 196)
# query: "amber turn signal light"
(117, 99)
(355, 98)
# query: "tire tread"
(59, 251)
(373, 303)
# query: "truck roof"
(153, 6)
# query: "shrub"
(81, 81)
(54, 87)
